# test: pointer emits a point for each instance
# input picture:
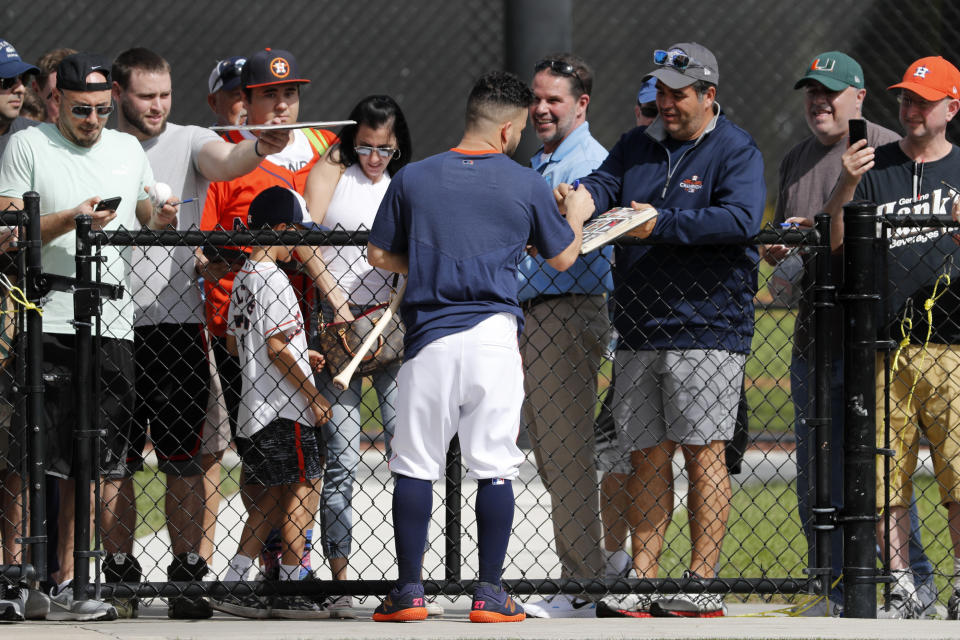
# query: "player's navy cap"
(648, 91)
(226, 75)
(279, 205)
(833, 69)
(270, 66)
(931, 78)
(684, 63)
(73, 70)
(10, 63)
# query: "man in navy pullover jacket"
(684, 310)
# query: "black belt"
(530, 303)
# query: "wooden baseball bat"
(343, 378)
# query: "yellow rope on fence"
(17, 295)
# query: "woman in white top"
(345, 188)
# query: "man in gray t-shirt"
(172, 372)
(833, 90)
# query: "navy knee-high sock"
(412, 506)
(494, 523)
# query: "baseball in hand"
(160, 194)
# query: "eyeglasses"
(676, 59)
(84, 110)
(383, 152)
(649, 111)
(562, 68)
(906, 101)
(10, 83)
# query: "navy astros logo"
(691, 185)
(280, 67)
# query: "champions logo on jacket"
(691, 185)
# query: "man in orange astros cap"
(907, 177)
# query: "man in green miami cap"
(833, 93)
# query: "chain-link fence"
(430, 51)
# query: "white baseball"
(160, 193)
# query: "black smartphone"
(108, 203)
(858, 130)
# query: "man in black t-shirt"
(907, 177)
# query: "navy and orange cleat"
(493, 604)
(403, 604)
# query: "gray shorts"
(685, 396)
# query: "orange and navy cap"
(931, 78)
(268, 67)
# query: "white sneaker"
(64, 608)
(561, 606)
(689, 605)
(433, 609)
(818, 607)
(901, 605)
(629, 605)
(341, 607)
(929, 605)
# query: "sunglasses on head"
(383, 152)
(649, 111)
(676, 59)
(560, 67)
(10, 83)
(84, 110)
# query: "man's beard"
(137, 122)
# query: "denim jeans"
(801, 381)
(341, 447)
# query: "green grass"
(150, 487)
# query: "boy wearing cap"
(906, 177)
(686, 318)
(279, 405)
(833, 92)
(13, 76)
(73, 165)
(226, 94)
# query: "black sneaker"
(188, 567)
(297, 608)
(245, 606)
(953, 605)
(122, 567)
(13, 601)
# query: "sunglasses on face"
(676, 59)
(560, 67)
(383, 152)
(10, 83)
(84, 110)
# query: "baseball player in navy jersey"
(457, 225)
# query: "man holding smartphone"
(833, 95)
(908, 176)
(73, 164)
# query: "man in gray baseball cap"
(684, 334)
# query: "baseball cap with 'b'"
(931, 78)
(835, 70)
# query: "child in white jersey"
(280, 407)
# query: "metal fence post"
(83, 382)
(859, 447)
(34, 425)
(453, 523)
(824, 295)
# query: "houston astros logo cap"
(931, 78)
(270, 66)
(833, 69)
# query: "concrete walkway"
(153, 624)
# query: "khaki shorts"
(933, 409)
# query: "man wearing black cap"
(12, 91)
(685, 313)
(170, 356)
(226, 95)
(73, 164)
